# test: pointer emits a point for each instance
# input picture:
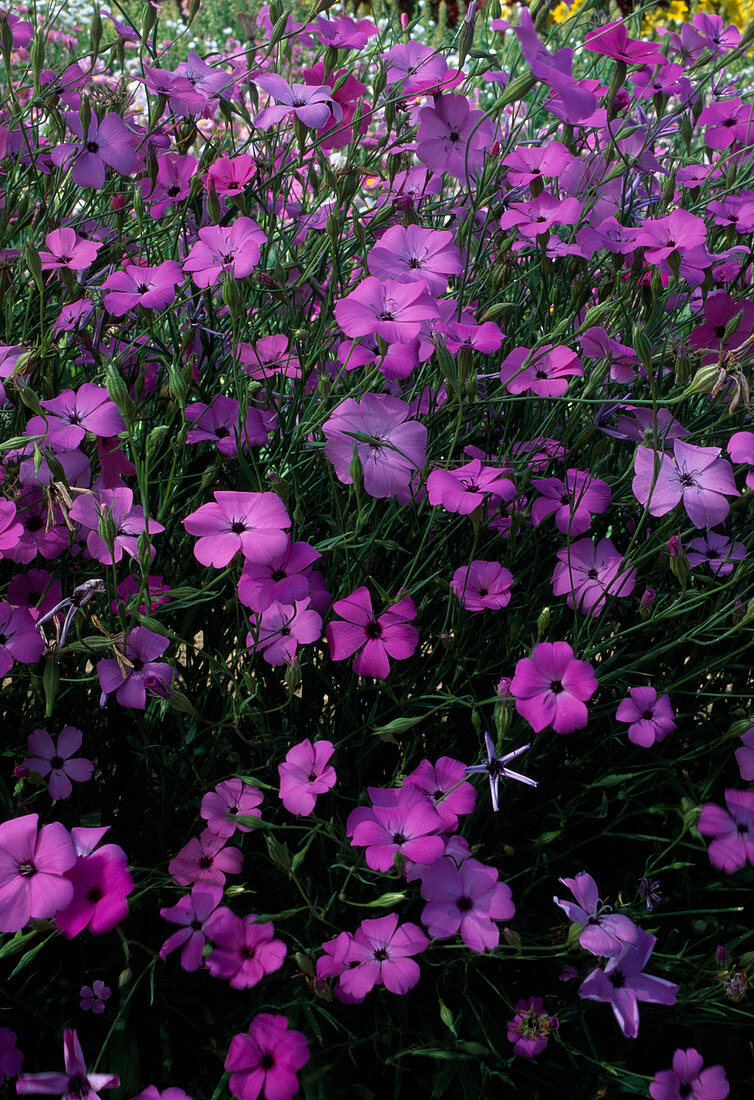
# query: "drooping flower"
(56, 759)
(531, 1027)
(33, 864)
(142, 673)
(622, 983)
(76, 1083)
(612, 40)
(253, 523)
(552, 687)
(688, 1078)
(380, 953)
(732, 830)
(650, 718)
(745, 755)
(305, 774)
(604, 933)
(373, 639)
(267, 1059)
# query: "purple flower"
(697, 476)
(76, 412)
(551, 688)
(280, 628)
(604, 933)
(689, 1078)
(443, 783)
(530, 1028)
(148, 287)
(538, 215)
(305, 774)
(745, 755)
(464, 489)
(220, 423)
(32, 870)
(57, 760)
(75, 1083)
(283, 580)
(717, 551)
(380, 953)
(11, 1059)
(392, 310)
(173, 182)
(225, 251)
(411, 252)
(452, 137)
(93, 997)
(131, 681)
(572, 102)
(266, 1059)
(19, 638)
(170, 1093)
(526, 164)
(612, 40)
(107, 142)
(250, 522)
(68, 250)
(390, 448)
(311, 104)
(543, 372)
(622, 983)
(650, 719)
(732, 829)
(372, 639)
(229, 800)
(191, 914)
(466, 899)
(101, 883)
(205, 859)
(494, 767)
(482, 585)
(115, 508)
(587, 574)
(243, 949)
(574, 500)
(10, 530)
(401, 821)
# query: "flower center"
(464, 904)
(237, 526)
(373, 630)
(556, 687)
(92, 146)
(57, 762)
(95, 895)
(266, 1062)
(399, 838)
(380, 954)
(27, 869)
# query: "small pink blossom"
(483, 585)
(380, 953)
(373, 639)
(229, 800)
(56, 759)
(305, 774)
(552, 687)
(531, 1027)
(243, 950)
(205, 859)
(267, 1059)
(650, 718)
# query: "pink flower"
(380, 953)
(689, 1078)
(650, 719)
(101, 883)
(526, 164)
(411, 252)
(745, 755)
(717, 551)
(696, 475)
(452, 137)
(312, 105)
(68, 250)
(148, 287)
(392, 310)
(221, 808)
(443, 783)
(574, 500)
(587, 574)
(732, 829)
(76, 1083)
(400, 821)
(465, 488)
(418, 69)
(250, 522)
(538, 215)
(205, 859)
(57, 760)
(173, 182)
(32, 870)
(531, 1027)
(305, 774)
(612, 40)
(225, 251)
(390, 448)
(19, 638)
(551, 688)
(284, 579)
(372, 639)
(10, 530)
(143, 673)
(107, 142)
(280, 628)
(482, 585)
(243, 949)
(229, 175)
(604, 933)
(192, 914)
(116, 509)
(11, 1059)
(93, 997)
(76, 412)
(543, 372)
(266, 1059)
(171, 1093)
(741, 449)
(220, 423)
(466, 899)
(622, 983)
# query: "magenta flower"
(418, 69)
(229, 175)
(531, 1027)
(191, 914)
(551, 688)
(380, 953)
(229, 800)
(696, 475)
(19, 638)
(689, 1078)
(572, 102)
(250, 522)
(243, 949)
(466, 899)
(343, 33)
(305, 774)
(76, 412)
(148, 287)
(574, 500)
(483, 584)
(57, 760)
(283, 580)
(526, 164)
(173, 182)
(115, 508)
(93, 997)
(143, 673)
(392, 310)
(596, 343)
(10, 529)
(101, 883)
(76, 1083)
(281, 628)
(485, 338)
(220, 423)
(11, 1059)
(443, 783)
(225, 251)
(604, 933)
(538, 215)
(266, 1059)
(717, 551)
(732, 829)
(401, 821)
(741, 449)
(465, 488)
(543, 372)
(311, 104)
(68, 250)
(452, 137)
(650, 719)
(372, 639)
(494, 767)
(622, 983)
(411, 252)
(390, 447)
(205, 859)
(587, 574)
(612, 40)
(745, 755)
(108, 142)
(32, 870)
